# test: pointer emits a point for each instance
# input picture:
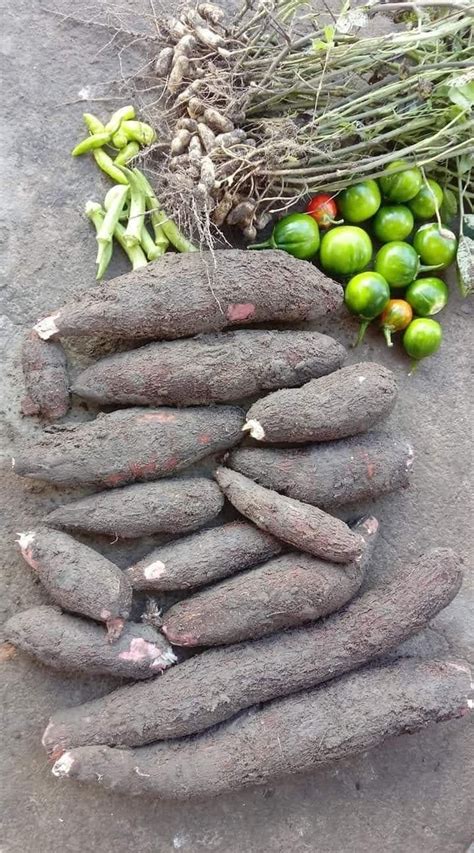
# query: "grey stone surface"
(413, 795)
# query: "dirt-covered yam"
(287, 591)
(217, 684)
(209, 369)
(203, 557)
(347, 402)
(78, 578)
(130, 445)
(330, 475)
(72, 644)
(306, 527)
(168, 506)
(185, 294)
(46, 379)
(349, 716)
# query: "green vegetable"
(96, 214)
(97, 140)
(136, 219)
(113, 203)
(345, 250)
(429, 200)
(297, 234)
(126, 154)
(394, 222)
(422, 338)
(164, 228)
(93, 124)
(120, 139)
(427, 296)
(435, 246)
(360, 201)
(399, 263)
(152, 251)
(366, 295)
(134, 253)
(138, 131)
(118, 117)
(402, 185)
(396, 316)
(108, 166)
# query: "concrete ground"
(411, 795)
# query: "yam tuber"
(217, 684)
(78, 578)
(46, 379)
(203, 557)
(351, 715)
(330, 475)
(69, 643)
(211, 368)
(283, 593)
(304, 526)
(189, 293)
(130, 445)
(170, 506)
(347, 402)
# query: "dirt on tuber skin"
(204, 557)
(330, 475)
(130, 445)
(217, 684)
(345, 403)
(168, 506)
(211, 368)
(283, 593)
(306, 527)
(190, 293)
(78, 578)
(351, 715)
(46, 379)
(71, 644)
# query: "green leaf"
(465, 163)
(318, 44)
(463, 96)
(465, 264)
(329, 34)
(449, 206)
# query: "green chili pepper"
(93, 124)
(151, 249)
(135, 254)
(422, 338)
(136, 217)
(297, 234)
(97, 140)
(108, 166)
(96, 214)
(114, 202)
(120, 140)
(118, 117)
(366, 295)
(126, 154)
(160, 222)
(138, 131)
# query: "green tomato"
(394, 222)
(345, 250)
(427, 201)
(427, 296)
(435, 247)
(360, 201)
(398, 263)
(366, 295)
(422, 338)
(403, 185)
(297, 234)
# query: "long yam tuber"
(186, 294)
(283, 593)
(351, 715)
(347, 402)
(304, 526)
(46, 379)
(217, 684)
(169, 506)
(130, 445)
(210, 369)
(203, 557)
(78, 578)
(69, 643)
(330, 475)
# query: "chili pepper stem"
(388, 336)
(96, 214)
(362, 330)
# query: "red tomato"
(323, 209)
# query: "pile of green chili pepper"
(381, 252)
(130, 205)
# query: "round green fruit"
(394, 222)
(360, 202)
(345, 250)
(402, 185)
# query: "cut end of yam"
(25, 539)
(47, 328)
(63, 765)
(255, 429)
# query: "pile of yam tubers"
(289, 669)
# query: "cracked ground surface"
(411, 795)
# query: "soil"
(410, 795)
